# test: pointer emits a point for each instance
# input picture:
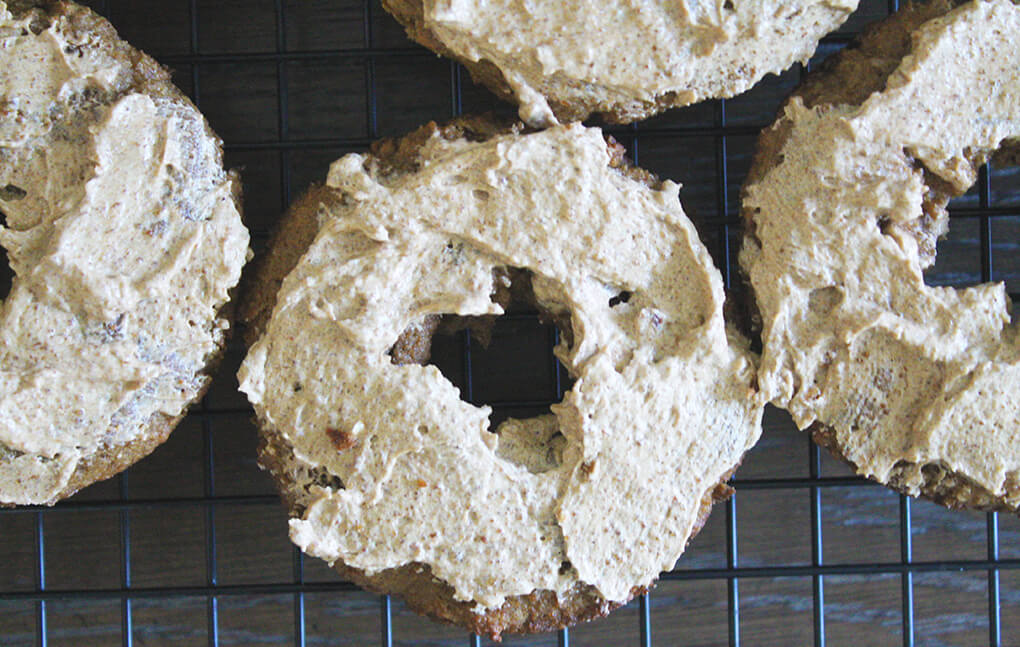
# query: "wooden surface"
(325, 115)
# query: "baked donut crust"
(948, 449)
(625, 61)
(71, 89)
(304, 484)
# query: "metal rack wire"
(710, 122)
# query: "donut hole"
(952, 249)
(505, 362)
(957, 257)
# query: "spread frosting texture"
(121, 227)
(630, 53)
(604, 491)
(906, 375)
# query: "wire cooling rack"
(189, 547)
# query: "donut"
(124, 237)
(400, 484)
(626, 60)
(915, 386)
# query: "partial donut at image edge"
(415, 582)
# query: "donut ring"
(399, 483)
(916, 386)
(567, 60)
(123, 232)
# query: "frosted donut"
(917, 386)
(123, 232)
(399, 483)
(627, 59)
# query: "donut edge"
(569, 100)
(154, 80)
(410, 14)
(849, 77)
(539, 611)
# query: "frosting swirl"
(123, 231)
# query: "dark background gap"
(516, 374)
(958, 256)
(961, 253)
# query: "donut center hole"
(959, 245)
(957, 259)
(505, 362)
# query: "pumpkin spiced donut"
(402, 485)
(124, 236)
(916, 386)
(625, 59)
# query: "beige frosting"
(606, 490)
(123, 233)
(853, 337)
(633, 51)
